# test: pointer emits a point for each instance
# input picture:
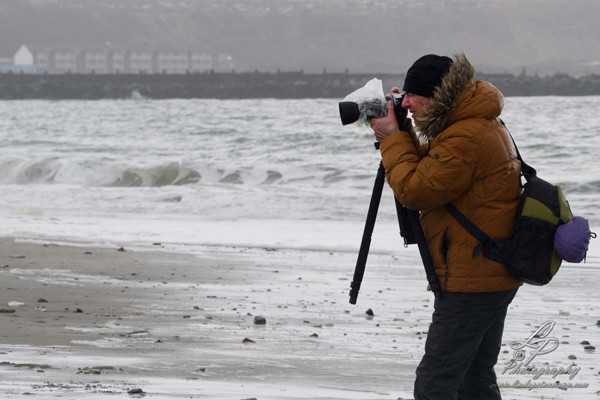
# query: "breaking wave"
(162, 175)
(55, 170)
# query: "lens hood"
(349, 112)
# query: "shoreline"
(175, 325)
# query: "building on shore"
(22, 62)
(114, 61)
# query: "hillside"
(540, 36)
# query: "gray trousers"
(462, 347)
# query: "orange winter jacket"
(469, 159)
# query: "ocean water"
(280, 173)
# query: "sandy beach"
(95, 322)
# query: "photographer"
(466, 157)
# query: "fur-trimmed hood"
(434, 117)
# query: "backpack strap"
(493, 249)
(526, 170)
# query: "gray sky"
(498, 36)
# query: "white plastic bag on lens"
(370, 99)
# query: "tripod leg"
(365, 244)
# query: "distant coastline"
(283, 85)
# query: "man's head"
(422, 78)
(426, 74)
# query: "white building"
(95, 61)
(42, 61)
(172, 62)
(21, 63)
(65, 61)
(119, 62)
(24, 56)
(225, 63)
(200, 62)
(140, 61)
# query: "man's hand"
(384, 127)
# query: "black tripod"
(410, 230)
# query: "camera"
(368, 102)
(351, 111)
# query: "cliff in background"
(255, 85)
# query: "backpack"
(545, 232)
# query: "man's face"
(415, 103)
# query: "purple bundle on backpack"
(571, 240)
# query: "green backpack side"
(530, 256)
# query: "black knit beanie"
(426, 74)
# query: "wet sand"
(96, 322)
